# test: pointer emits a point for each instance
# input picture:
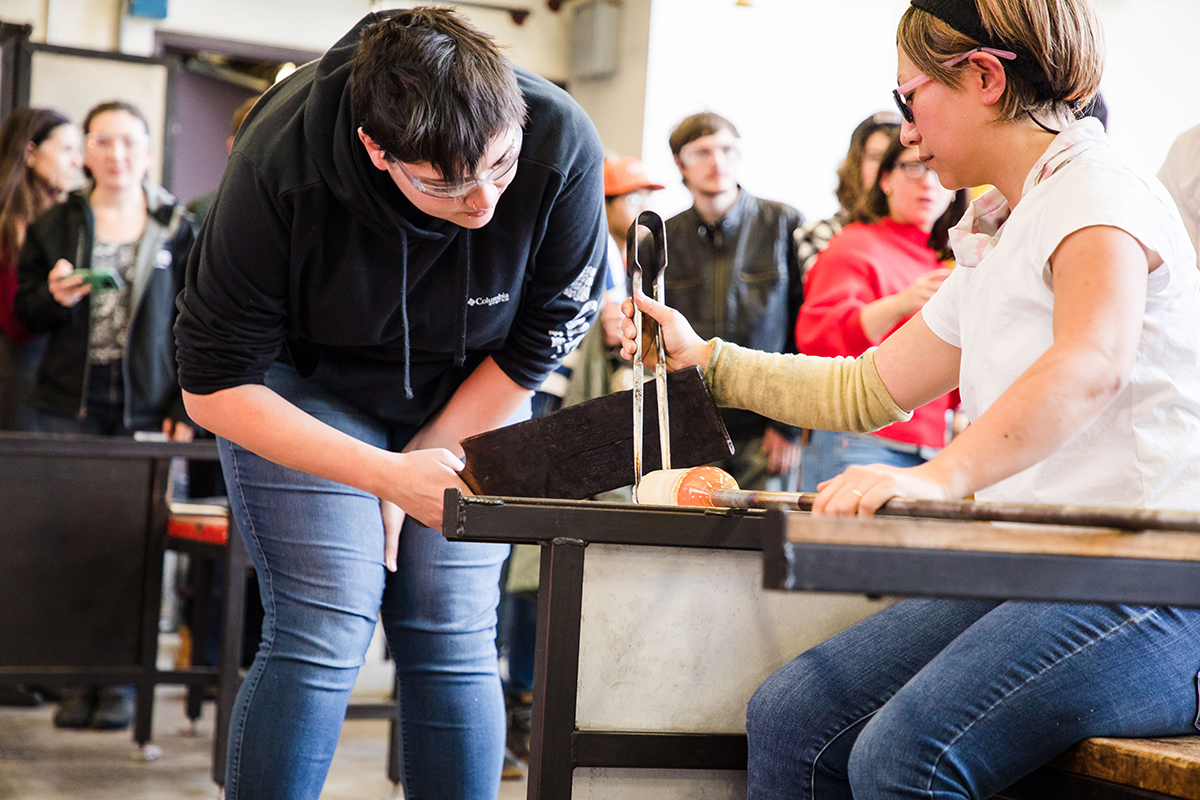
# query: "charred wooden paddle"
(586, 449)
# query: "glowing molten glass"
(695, 486)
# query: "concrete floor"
(38, 762)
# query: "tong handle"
(652, 222)
(646, 274)
(649, 338)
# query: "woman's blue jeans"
(960, 698)
(827, 454)
(318, 550)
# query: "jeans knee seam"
(812, 779)
(1074, 652)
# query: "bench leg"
(556, 670)
(151, 605)
(203, 574)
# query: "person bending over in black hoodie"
(408, 237)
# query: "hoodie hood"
(344, 166)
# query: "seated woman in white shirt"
(1068, 327)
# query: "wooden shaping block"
(586, 449)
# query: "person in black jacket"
(109, 363)
(109, 366)
(408, 237)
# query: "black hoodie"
(314, 257)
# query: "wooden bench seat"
(1113, 769)
(1169, 766)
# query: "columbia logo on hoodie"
(495, 299)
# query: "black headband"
(963, 16)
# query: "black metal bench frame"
(564, 529)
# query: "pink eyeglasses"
(898, 94)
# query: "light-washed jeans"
(828, 453)
(961, 698)
(318, 549)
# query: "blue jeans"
(515, 639)
(828, 453)
(318, 549)
(960, 698)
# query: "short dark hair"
(692, 128)
(873, 206)
(429, 88)
(114, 105)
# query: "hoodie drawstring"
(464, 281)
(464, 277)
(408, 392)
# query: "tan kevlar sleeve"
(825, 394)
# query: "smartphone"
(98, 280)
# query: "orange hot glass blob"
(695, 486)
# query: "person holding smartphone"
(109, 365)
(99, 273)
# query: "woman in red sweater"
(875, 274)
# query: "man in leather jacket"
(733, 273)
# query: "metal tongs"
(653, 274)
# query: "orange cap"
(625, 174)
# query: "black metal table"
(81, 564)
(936, 558)
(564, 529)
(83, 523)
(892, 556)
